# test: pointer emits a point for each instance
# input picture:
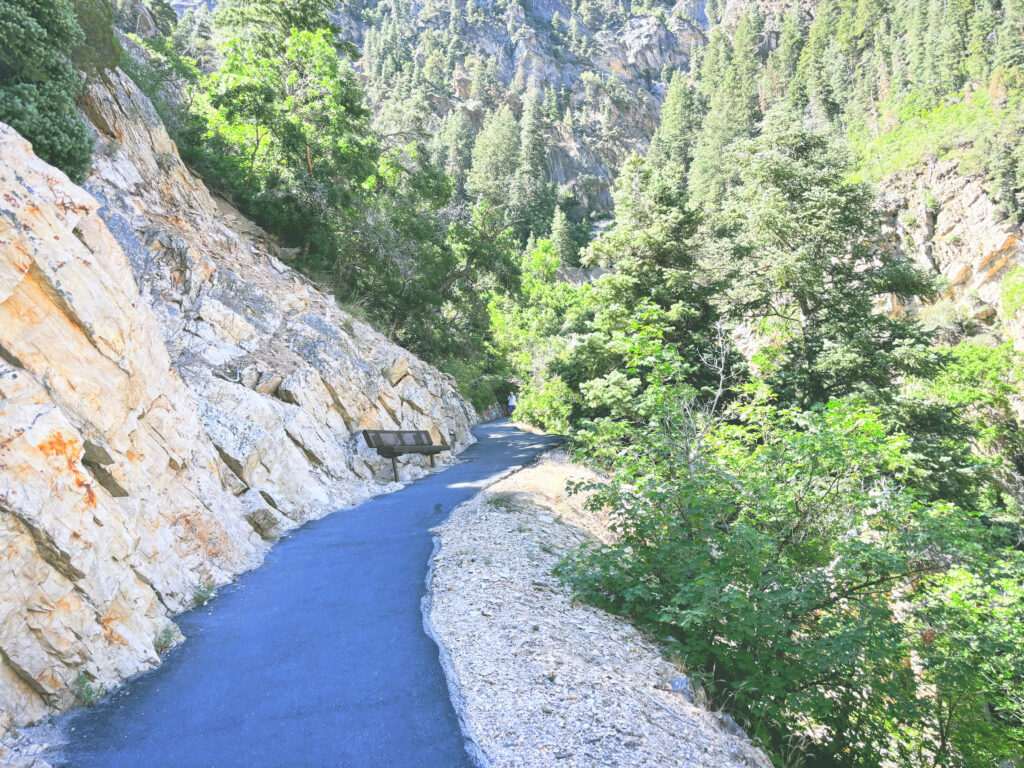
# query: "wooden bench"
(393, 443)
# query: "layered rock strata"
(172, 398)
(948, 223)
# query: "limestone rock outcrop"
(111, 506)
(947, 222)
(172, 398)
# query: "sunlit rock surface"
(172, 398)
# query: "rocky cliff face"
(610, 82)
(946, 222)
(172, 398)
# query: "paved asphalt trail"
(318, 658)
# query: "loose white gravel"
(539, 679)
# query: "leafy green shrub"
(203, 592)
(788, 559)
(163, 641)
(774, 568)
(547, 405)
(86, 691)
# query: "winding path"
(319, 658)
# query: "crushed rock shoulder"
(539, 679)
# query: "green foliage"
(784, 558)
(562, 239)
(733, 111)
(86, 691)
(980, 383)
(798, 252)
(203, 592)
(258, 27)
(942, 130)
(530, 334)
(1013, 292)
(38, 85)
(289, 134)
(681, 117)
(163, 76)
(163, 641)
(651, 251)
(98, 49)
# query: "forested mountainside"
(793, 350)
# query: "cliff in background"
(948, 223)
(172, 398)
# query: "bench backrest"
(386, 438)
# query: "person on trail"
(512, 403)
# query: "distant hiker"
(512, 403)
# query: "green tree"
(39, 86)
(495, 157)
(562, 239)
(681, 117)
(453, 148)
(290, 133)
(262, 26)
(802, 268)
(651, 254)
(733, 112)
(782, 557)
(531, 198)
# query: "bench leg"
(394, 466)
(431, 459)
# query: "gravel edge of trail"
(538, 680)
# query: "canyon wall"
(946, 222)
(173, 397)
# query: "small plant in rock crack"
(545, 547)
(86, 691)
(164, 641)
(203, 592)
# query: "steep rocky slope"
(609, 81)
(172, 397)
(947, 222)
(606, 77)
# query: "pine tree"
(263, 26)
(681, 117)
(453, 148)
(551, 112)
(733, 114)
(783, 61)
(562, 239)
(38, 85)
(802, 251)
(495, 157)
(1010, 42)
(713, 63)
(712, 11)
(531, 196)
(982, 29)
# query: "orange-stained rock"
(172, 398)
(91, 557)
